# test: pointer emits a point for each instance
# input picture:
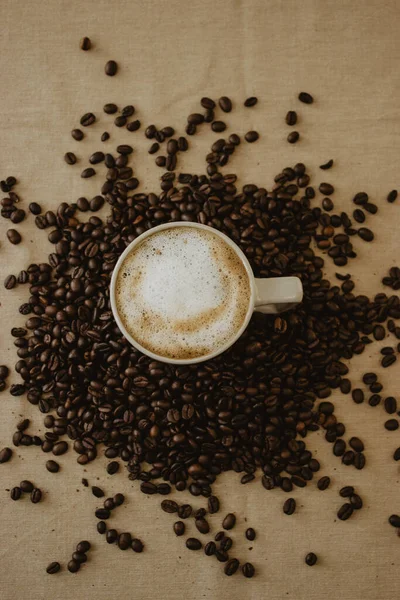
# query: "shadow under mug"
(270, 295)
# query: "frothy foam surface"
(182, 293)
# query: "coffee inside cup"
(182, 293)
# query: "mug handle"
(277, 294)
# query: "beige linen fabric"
(170, 54)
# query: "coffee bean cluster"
(26, 487)
(354, 502)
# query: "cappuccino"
(182, 293)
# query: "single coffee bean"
(388, 360)
(394, 520)
(359, 460)
(78, 135)
(356, 502)
(374, 400)
(249, 102)
(202, 525)
(248, 570)
(70, 158)
(293, 137)
(291, 118)
(358, 396)
(89, 172)
(225, 104)
(289, 506)
(73, 566)
(369, 378)
(326, 165)
(179, 528)
(134, 125)
(148, 488)
(111, 536)
(391, 197)
(345, 511)
(231, 567)
(10, 282)
(102, 513)
(356, 444)
(60, 448)
(346, 491)
(229, 521)
(365, 234)
(348, 457)
(311, 559)
(323, 483)
(200, 513)
(36, 495)
(396, 455)
(371, 208)
(390, 404)
(52, 466)
(124, 541)
(15, 493)
(391, 424)
(326, 189)
(111, 68)
(250, 534)
(87, 119)
(251, 136)
(218, 126)
(5, 455)
(84, 44)
(14, 237)
(26, 486)
(327, 204)
(53, 568)
(137, 545)
(83, 546)
(101, 527)
(96, 157)
(17, 215)
(110, 109)
(113, 467)
(209, 549)
(154, 148)
(185, 510)
(119, 499)
(109, 504)
(169, 506)
(79, 557)
(221, 556)
(213, 504)
(339, 447)
(121, 121)
(193, 544)
(105, 136)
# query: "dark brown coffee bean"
(14, 237)
(36, 495)
(70, 158)
(358, 396)
(388, 360)
(359, 461)
(209, 549)
(391, 197)
(15, 493)
(339, 447)
(326, 165)
(305, 98)
(179, 528)
(311, 559)
(60, 448)
(293, 137)
(225, 104)
(111, 68)
(199, 513)
(221, 556)
(374, 400)
(110, 109)
(185, 510)
(202, 525)
(118, 499)
(121, 121)
(5, 455)
(17, 389)
(326, 189)
(154, 148)
(323, 483)
(160, 161)
(327, 204)
(356, 444)
(134, 125)
(53, 568)
(79, 557)
(251, 137)
(97, 492)
(111, 536)
(102, 513)
(391, 424)
(249, 102)
(83, 546)
(17, 215)
(394, 520)
(87, 119)
(289, 506)
(105, 136)
(291, 118)
(101, 527)
(229, 521)
(345, 511)
(84, 44)
(193, 544)
(365, 234)
(96, 157)
(52, 466)
(112, 467)
(77, 134)
(248, 570)
(73, 566)
(169, 506)
(396, 455)
(124, 541)
(356, 502)
(231, 567)
(390, 404)
(35, 208)
(148, 488)
(137, 545)
(26, 486)
(218, 126)
(359, 216)
(89, 172)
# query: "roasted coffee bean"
(17, 215)
(365, 234)
(96, 157)
(121, 121)
(231, 567)
(249, 102)
(154, 148)
(390, 404)
(371, 208)
(327, 204)
(87, 119)
(111, 68)
(199, 513)
(26, 486)
(4, 371)
(36, 495)
(388, 360)
(97, 492)
(15, 493)
(73, 566)
(78, 135)
(17, 389)
(396, 455)
(339, 447)
(5, 455)
(109, 504)
(133, 125)
(179, 528)
(52, 466)
(79, 557)
(305, 98)
(369, 378)
(60, 448)
(291, 118)
(394, 520)
(248, 570)
(356, 444)
(183, 144)
(148, 488)
(169, 506)
(323, 483)
(84, 44)
(221, 556)
(326, 189)
(118, 499)
(14, 237)
(102, 513)
(218, 126)
(293, 137)
(193, 544)
(185, 510)
(124, 541)
(345, 511)
(111, 536)
(391, 424)
(326, 165)
(53, 568)
(356, 502)
(160, 161)
(101, 527)
(202, 525)
(391, 197)
(358, 395)
(110, 109)
(89, 172)
(137, 545)
(112, 467)
(289, 506)
(105, 136)
(229, 521)
(311, 559)
(70, 158)
(374, 400)
(359, 460)
(251, 136)
(348, 457)
(250, 534)
(209, 549)
(225, 104)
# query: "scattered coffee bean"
(218, 126)
(311, 559)
(326, 189)
(179, 528)
(229, 521)
(291, 118)
(249, 102)
(193, 544)
(251, 137)
(358, 396)
(52, 466)
(14, 237)
(231, 567)
(102, 513)
(356, 502)
(365, 234)
(184, 511)
(213, 504)
(169, 506)
(327, 204)
(15, 493)
(97, 492)
(346, 491)
(86, 120)
(36, 495)
(391, 197)
(396, 455)
(356, 444)
(305, 98)
(225, 104)
(248, 570)
(101, 527)
(84, 44)
(73, 566)
(250, 534)
(111, 68)
(391, 424)
(323, 483)
(113, 467)
(394, 520)
(137, 545)
(345, 511)
(289, 506)
(26, 486)
(326, 165)
(124, 541)
(70, 158)
(89, 172)
(5, 455)
(209, 549)
(53, 568)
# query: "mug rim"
(181, 361)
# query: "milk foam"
(182, 293)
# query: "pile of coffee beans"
(250, 408)
(26, 487)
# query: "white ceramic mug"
(269, 295)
